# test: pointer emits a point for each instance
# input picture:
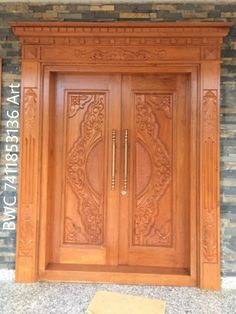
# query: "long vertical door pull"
(125, 184)
(113, 163)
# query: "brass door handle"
(113, 162)
(125, 184)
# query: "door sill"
(118, 274)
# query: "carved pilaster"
(28, 196)
(210, 125)
(209, 177)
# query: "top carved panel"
(51, 41)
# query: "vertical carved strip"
(210, 170)
(26, 233)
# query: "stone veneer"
(10, 52)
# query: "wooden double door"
(119, 179)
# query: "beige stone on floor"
(116, 303)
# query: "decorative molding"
(148, 230)
(93, 41)
(210, 125)
(180, 29)
(121, 41)
(90, 203)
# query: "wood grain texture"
(154, 107)
(210, 116)
(28, 193)
(189, 54)
(209, 178)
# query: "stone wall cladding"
(159, 12)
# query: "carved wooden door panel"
(155, 211)
(84, 208)
(119, 170)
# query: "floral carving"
(89, 203)
(147, 228)
(160, 102)
(30, 106)
(210, 237)
(210, 119)
(26, 234)
(78, 102)
(119, 54)
(210, 124)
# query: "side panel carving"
(210, 121)
(85, 163)
(26, 235)
(152, 226)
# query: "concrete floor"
(60, 298)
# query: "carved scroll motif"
(209, 162)
(119, 54)
(90, 203)
(148, 230)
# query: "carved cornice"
(136, 42)
(106, 29)
(34, 33)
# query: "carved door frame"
(192, 48)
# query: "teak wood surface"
(119, 170)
